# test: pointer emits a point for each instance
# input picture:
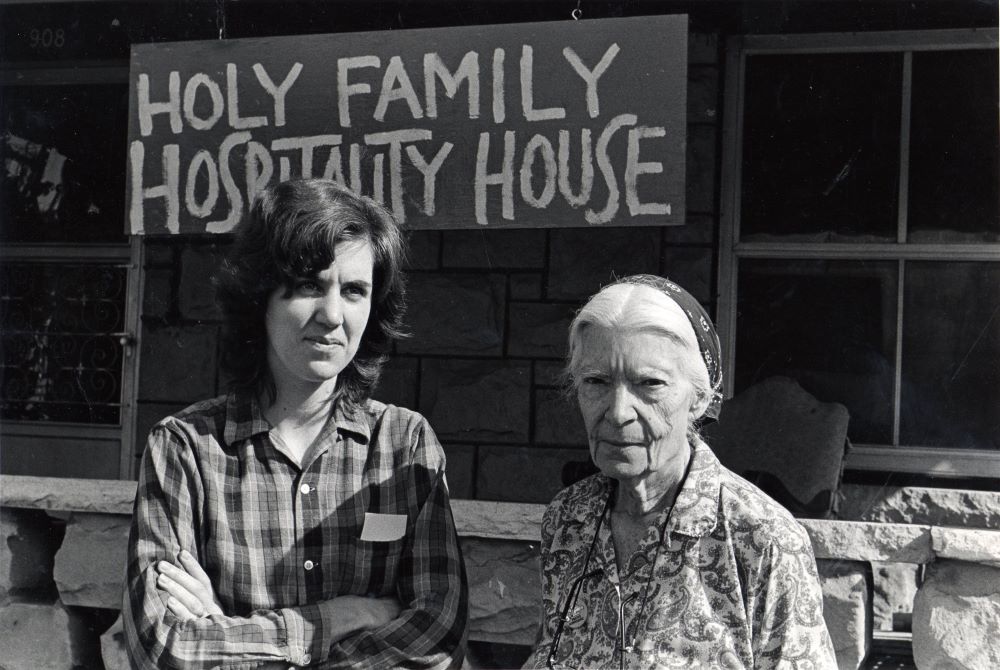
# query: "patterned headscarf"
(704, 331)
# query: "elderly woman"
(665, 558)
(295, 520)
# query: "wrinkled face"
(635, 401)
(314, 333)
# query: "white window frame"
(934, 461)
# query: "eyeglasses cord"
(574, 593)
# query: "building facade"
(842, 228)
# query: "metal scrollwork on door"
(64, 340)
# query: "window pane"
(951, 355)
(63, 152)
(62, 355)
(821, 147)
(829, 325)
(954, 148)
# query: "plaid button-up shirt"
(277, 538)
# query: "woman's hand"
(190, 596)
(189, 590)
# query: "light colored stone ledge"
(498, 520)
(109, 496)
(866, 541)
(964, 544)
(845, 540)
(923, 505)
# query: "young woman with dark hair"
(291, 232)
(296, 520)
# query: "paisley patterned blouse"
(734, 584)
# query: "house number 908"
(47, 38)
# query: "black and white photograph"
(494, 334)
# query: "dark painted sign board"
(562, 124)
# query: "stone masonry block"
(398, 383)
(517, 522)
(157, 294)
(956, 617)
(502, 248)
(847, 601)
(523, 474)
(895, 587)
(692, 268)
(35, 635)
(455, 314)
(178, 364)
(558, 419)
(924, 505)
(703, 94)
(703, 48)
(525, 286)
(29, 540)
(697, 229)
(549, 373)
(196, 295)
(481, 400)
(582, 260)
(701, 177)
(861, 541)
(967, 544)
(425, 249)
(56, 496)
(113, 647)
(538, 330)
(159, 252)
(461, 470)
(503, 590)
(90, 565)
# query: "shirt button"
(306, 659)
(308, 565)
(305, 488)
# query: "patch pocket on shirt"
(377, 563)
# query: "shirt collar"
(353, 419)
(695, 512)
(245, 418)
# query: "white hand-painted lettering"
(548, 153)
(591, 76)
(528, 94)
(345, 90)
(233, 104)
(279, 92)
(435, 70)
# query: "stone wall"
(63, 548)
(896, 584)
(918, 504)
(488, 313)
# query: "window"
(66, 274)
(63, 339)
(861, 237)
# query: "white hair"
(632, 307)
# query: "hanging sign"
(563, 124)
